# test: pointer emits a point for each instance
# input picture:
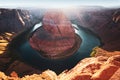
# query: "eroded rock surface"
(13, 20)
(55, 36)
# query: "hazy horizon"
(57, 3)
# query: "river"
(21, 47)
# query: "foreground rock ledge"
(93, 68)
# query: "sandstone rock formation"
(55, 37)
(13, 20)
(105, 22)
(102, 21)
(92, 68)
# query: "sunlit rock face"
(55, 36)
(13, 20)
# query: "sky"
(58, 3)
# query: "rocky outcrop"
(94, 68)
(105, 22)
(13, 20)
(102, 21)
(107, 29)
(55, 37)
